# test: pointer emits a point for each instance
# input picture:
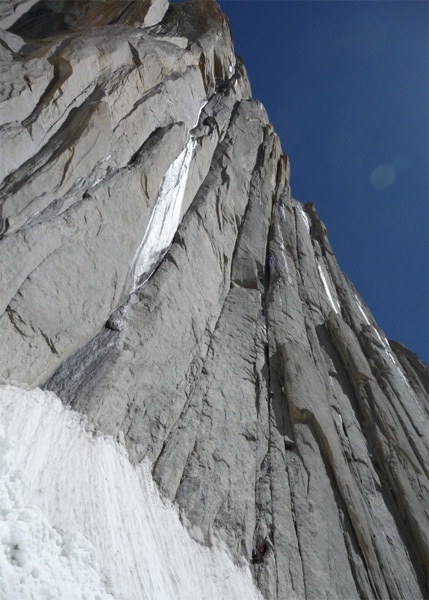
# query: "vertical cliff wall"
(158, 276)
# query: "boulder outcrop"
(159, 277)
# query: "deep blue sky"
(345, 85)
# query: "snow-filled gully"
(79, 522)
(166, 214)
(165, 217)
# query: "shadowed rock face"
(159, 277)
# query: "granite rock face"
(159, 277)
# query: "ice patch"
(166, 214)
(231, 67)
(384, 343)
(79, 522)
(283, 253)
(165, 217)
(333, 301)
(79, 182)
(199, 113)
(360, 307)
(386, 347)
(339, 418)
(304, 217)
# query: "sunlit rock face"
(158, 276)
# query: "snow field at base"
(78, 521)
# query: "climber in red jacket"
(261, 550)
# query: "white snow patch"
(231, 67)
(79, 182)
(360, 307)
(338, 418)
(284, 254)
(386, 347)
(165, 216)
(166, 213)
(304, 217)
(199, 113)
(333, 301)
(79, 522)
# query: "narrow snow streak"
(203, 105)
(166, 214)
(360, 307)
(304, 217)
(79, 522)
(384, 343)
(232, 64)
(388, 350)
(332, 301)
(283, 253)
(165, 217)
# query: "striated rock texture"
(157, 274)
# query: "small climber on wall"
(261, 550)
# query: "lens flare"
(383, 176)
